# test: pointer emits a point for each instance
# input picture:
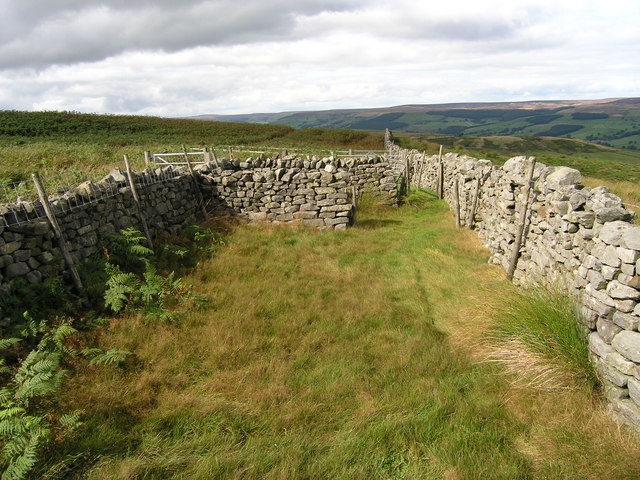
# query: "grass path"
(346, 355)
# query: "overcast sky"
(190, 57)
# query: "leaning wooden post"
(440, 175)
(474, 204)
(136, 199)
(196, 185)
(48, 210)
(213, 157)
(515, 253)
(407, 172)
(230, 153)
(456, 201)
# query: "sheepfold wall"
(314, 192)
(581, 238)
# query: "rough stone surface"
(634, 390)
(621, 292)
(631, 238)
(612, 232)
(563, 176)
(611, 374)
(628, 345)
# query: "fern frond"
(22, 462)
(110, 357)
(63, 331)
(6, 396)
(70, 421)
(11, 412)
(12, 426)
(90, 352)
(8, 342)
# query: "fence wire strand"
(70, 190)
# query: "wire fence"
(73, 189)
(160, 159)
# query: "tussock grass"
(539, 340)
(335, 355)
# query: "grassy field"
(352, 355)
(50, 141)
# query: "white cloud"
(151, 57)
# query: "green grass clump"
(542, 341)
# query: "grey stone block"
(598, 346)
(620, 363)
(622, 292)
(627, 412)
(612, 232)
(631, 238)
(17, 269)
(627, 343)
(613, 392)
(634, 390)
(610, 374)
(625, 306)
(607, 329)
(626, 321)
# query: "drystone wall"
(314, 192)
(30, 249)
(580, 238)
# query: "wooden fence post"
(213, 157)
(230, 153)
(194, 179)
(48, 210)
(456, 200)
(474, 204)
(440, 175)
(515, 253)
(407, 173)
(147, 158)
(136, 199)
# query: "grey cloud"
(484, 25)
(36, 34)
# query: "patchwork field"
(612, 122)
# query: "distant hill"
(611, 122)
